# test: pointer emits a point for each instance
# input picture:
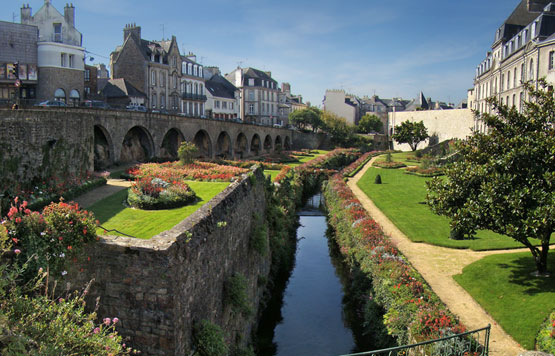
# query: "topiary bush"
(154, 193)
(378, 179)
(209, 339)
(187, 152)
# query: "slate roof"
(120, 88)
(256, 74)
(220, 87)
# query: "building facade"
(222, 96)
(18, 44)
(523, 50)
(343, 105)
(171, 81)
(60, 53)
(259, 95)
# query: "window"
(514, 79)
(196, 89)
(153, 78)
(531, 77)
(162, 101)
(63, 61)
(190, 68)
(87, 90)
(551, 55)
(522, 71)
(190, 108)
(230, 106)
(195, 70)
(514, 99)
(217, 104)
(162, 79)
(184, 68)
(57, 32)
(153, 101)
(201, 89)
(508, 80)
(251, 82)
(71, 61)
(87, 75)
(174, 61)
(224, 105)
(174, 80)
(200, 74)
(251, 95)
(502, 84)
(251, 109)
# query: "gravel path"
(438, 265)
(111, 187)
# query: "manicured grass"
(303, 159)
(402, 197)
(272, 173)
(145, 224)
(400, 157)
(503, 286)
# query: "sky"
(366, 47)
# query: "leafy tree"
(411, 132)
(505, 180)
(186, 152)
(370, 123)
(306, 119)
(339, 130)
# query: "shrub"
(378, 179)
(235, 294)
(390, 165)
(50, 239)
(155, 193)
(259, 237)
(186, 152)
(546, 337)
(209, 339)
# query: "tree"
(370, 123)
(187, 152)
(339, 130)
(411, 132)
(505, 180)
(306, 119)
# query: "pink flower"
(17, 251)
(96, 330)
(115, 320)
(106, 321)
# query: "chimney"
(69, 14)
(286, 88)
(191, 56)
(25, 14)
(132, 29)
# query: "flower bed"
(175, 171)
(390, 165)
(248, 164)
(546, 338)
(425, 172)
(154, 193)
(354, 168)
(409, 301)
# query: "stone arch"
(256, 145)
(287, 144)
(241, 145)
(224, 149)
(170, 144)
(268, 143)
(204, 144)
(103, 148)
(277, 143)
(137, 145)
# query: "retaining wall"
(160, 287)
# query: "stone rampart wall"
(160, 287)
(445, 124)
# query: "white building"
(60, 53)
(222, 96)
(342, 105)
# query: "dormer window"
(534, 27)
(57, 32)
(251, 82)
(200, 71)
(195, 70)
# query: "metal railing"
(470, 343)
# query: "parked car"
(52, 103)
(136, 108)
(160, 111)
(95, 104)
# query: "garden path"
(112, 186)
(438, 265)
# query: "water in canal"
(309, 315)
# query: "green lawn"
(272, 173)
(145, 224)
(303, 159)
(402, 199)
(401, 157)
(519, 302)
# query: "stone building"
(343, 105)
(523, 50)
(171, 81)
(18, 43)
(60, 53)
(222, 96)
(259, 95)
(119, 93)
(289, 102)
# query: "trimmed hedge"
(413, 311)
(390, 165)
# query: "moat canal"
(309, 314)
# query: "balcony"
(194, 97)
